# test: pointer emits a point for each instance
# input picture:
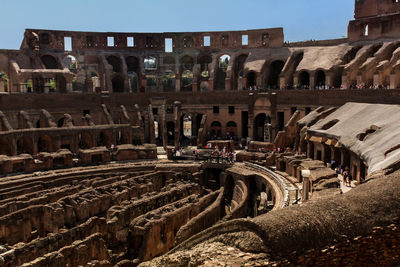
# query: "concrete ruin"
(89, 123)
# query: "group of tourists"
(222, 156)
(345, 172)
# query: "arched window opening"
(224, 61)
(216, 132)
(133, 81)
(115, 62)
(152, 85)
(118, 84)
(260, 123)
(169, 81)
(304, 80)
(132, 64)
(150, 63)
(49, 62)
(275, 70)
(251, 79)
(24, 145)
(231, 130)
(320, 78)
(187, 80)
(170, 132)
(187, 63)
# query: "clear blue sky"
(301, 19)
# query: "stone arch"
(231, 129)
(45, 144)
(168, 60)
(118, 84)
(25, 145)
(132, 64)
(5, 146)
(251, 79)
(304, 79)
(320, 78)
(49, 62)
(186, 63)
(275, 70)
(169, 81)
(115, 62)
(187, 81)
(150, 63)
(216, 129)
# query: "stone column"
(178, 83)
(151, 125)
(163, 127)
(177, 119)
(69, 87)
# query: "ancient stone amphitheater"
(233, 149)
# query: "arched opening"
(228, 193)
(231, 130)
(169, 81)
(187, 80)
(115, 62)
(223, 61)
(204, 62)
(259, 126)
(238, 72)
(132, 63)
(157, 133)
(220, 80)
(275, 70)
(151, 83)
(133, 81)
(118, 84)
(45, 144)
(216, 132)
(187, 63)
(169, 61)
(3, 82)
(5, 146)
(24, 145)
(251, 79)
(304, 80)
(101, 139)
(320, 78)
(29, 85)
(220, 76)
(170, 133)
(49, 62)
(150, 63)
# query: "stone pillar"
(151, 125)
(227, 84)
(69, 87)
(163, 127)
(282, 83)
(359, 79)
(309, 148)
(377, 80)
(177, 119)
(1, 85)
(394, 81)
(312, 81)
(211, 84)
(345, 82)
(177, 83)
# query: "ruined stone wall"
(379, 248)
